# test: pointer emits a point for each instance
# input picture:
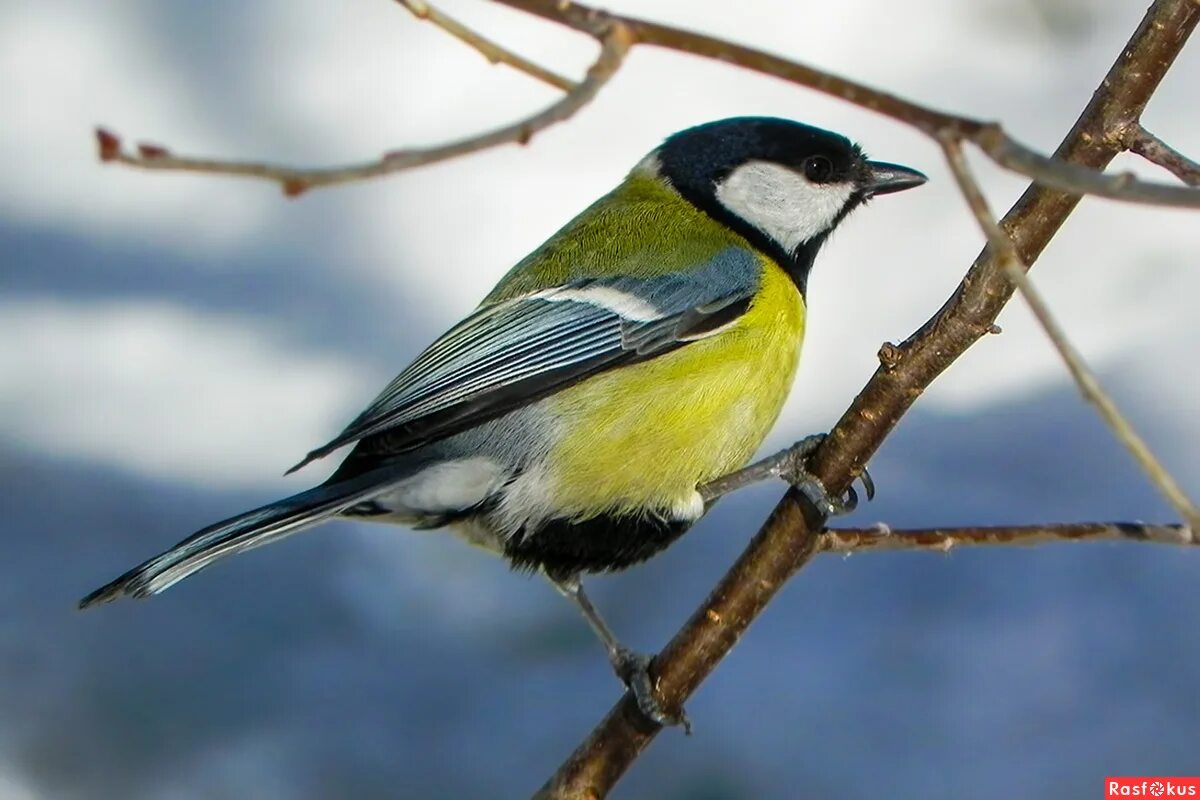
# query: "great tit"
(645, 349)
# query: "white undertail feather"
(446, 487)
(689, 508)
(527, 502)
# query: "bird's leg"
(632, 668)
(791, 464)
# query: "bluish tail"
(243, 532)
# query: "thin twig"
(615, 43)
(1155, 150)
(1085, 379)
(1123, 186)
(881, 537)
(493, 52)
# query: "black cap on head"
(800, 174)
(696, 159)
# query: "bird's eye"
(818, 169)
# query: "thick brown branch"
(989, 137)
(1150, 147)
(615, 43)
(786, 542)
(880, 537)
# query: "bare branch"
(1124, 186)
(786, 541)
(989, 137)
(494, 53)
(1085, 379)
(881, 537)
(1150, 147)
(615, 43)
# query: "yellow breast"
(647, 435)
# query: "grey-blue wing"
(513, 352)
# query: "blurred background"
(169, 344)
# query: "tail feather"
(243, 532)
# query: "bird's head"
(782, 185)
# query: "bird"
(569, 422)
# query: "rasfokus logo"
(1151, 786)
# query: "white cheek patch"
(782, 203)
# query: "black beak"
(885, 178)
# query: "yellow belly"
(646, 436)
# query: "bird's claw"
(634, 670)
(797, 473)
(826, 504)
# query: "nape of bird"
(645, 349)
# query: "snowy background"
(170, 343)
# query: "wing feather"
(513, 352)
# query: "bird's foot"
(794, 469)
(634, 670)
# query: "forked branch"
(1085, 379)
(1150, 147)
